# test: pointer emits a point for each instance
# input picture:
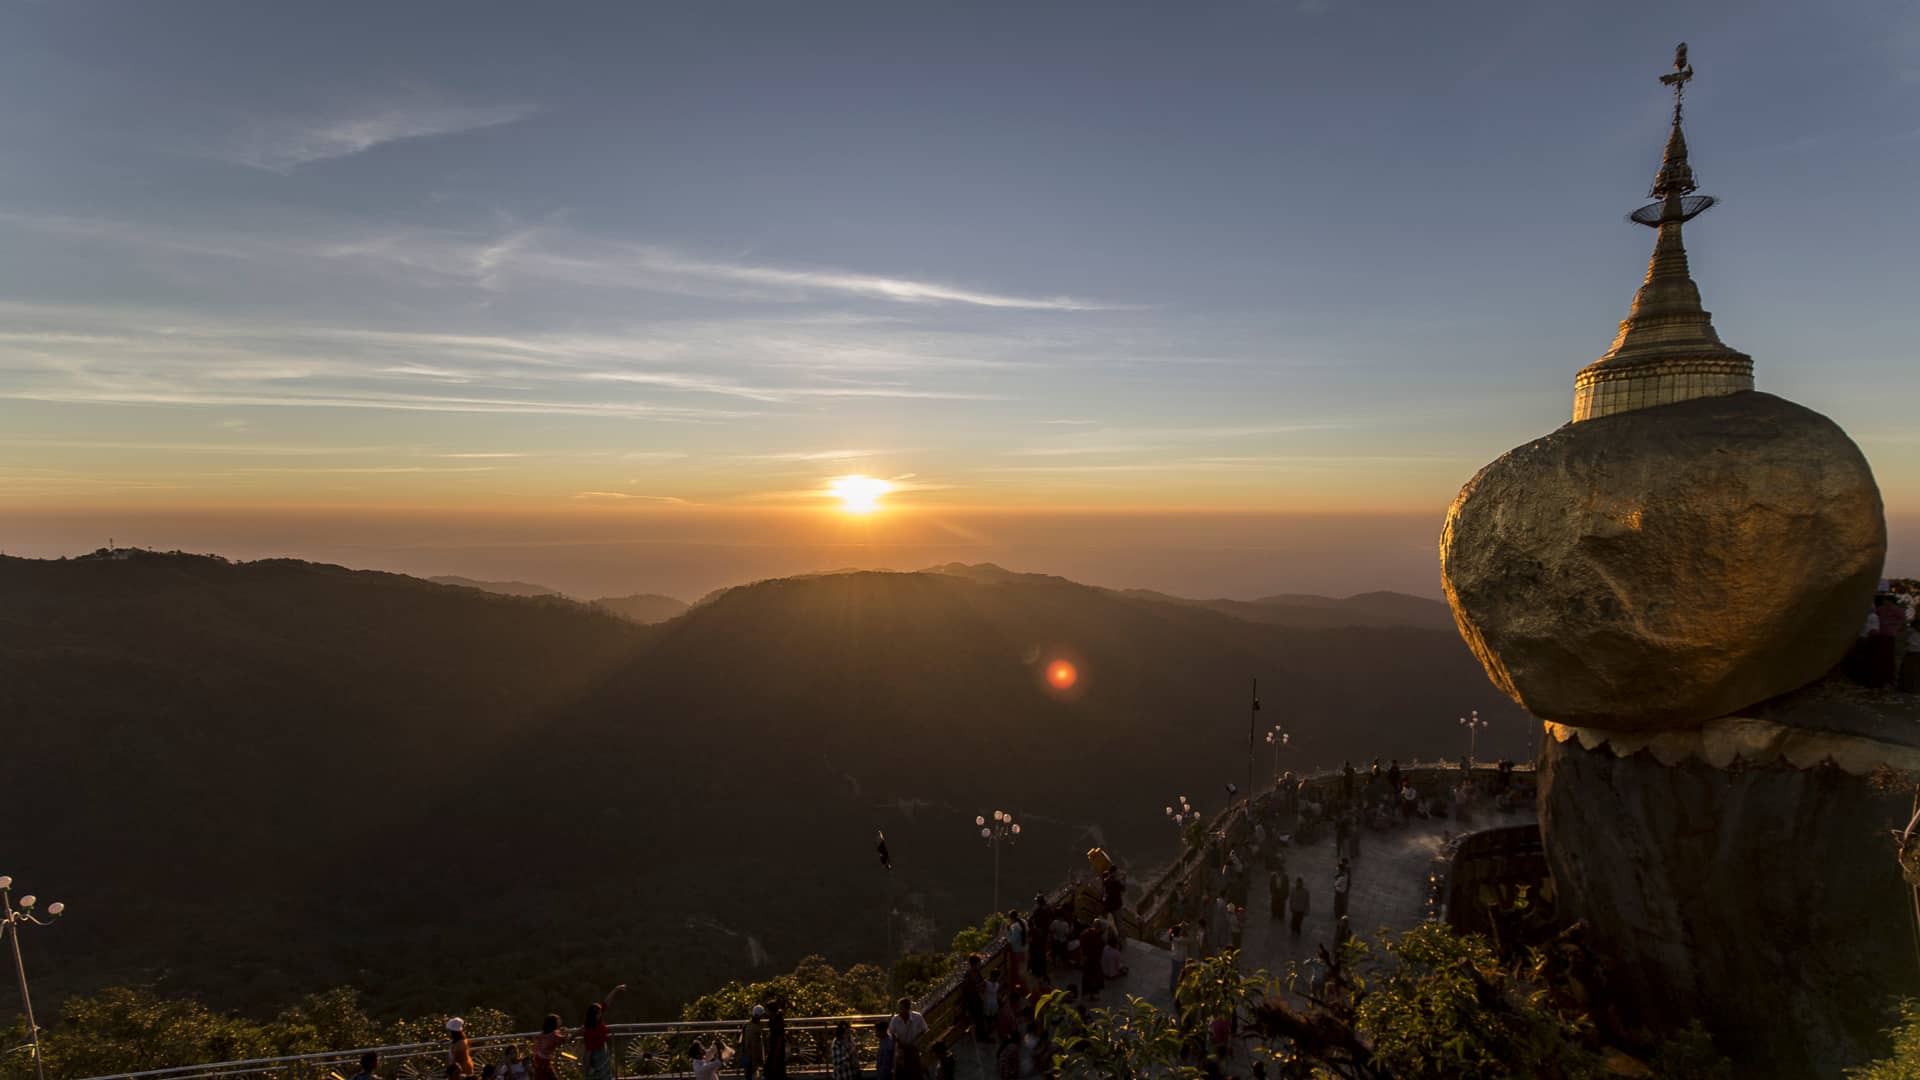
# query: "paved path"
(1389, 887)
(1389, 891)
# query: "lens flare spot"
(1061, 675)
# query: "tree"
(1439, 1005)
(1904, 1062)
(1113, 1042)
(813, 988)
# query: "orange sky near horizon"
(687, 551)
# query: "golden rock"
(1659, 568)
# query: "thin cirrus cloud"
(499, 260)
(284, 148)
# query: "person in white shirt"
(907, 1028)
(707, 1060)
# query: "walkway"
(1389, 887)
(1389, 891)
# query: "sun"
(1062, 675)
(858, 494)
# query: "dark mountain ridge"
(450, 797)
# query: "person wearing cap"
(753, 1042)
(595, 1037)
(458, 1055)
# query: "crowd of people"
(1051, 947)
(527, 1063)
(1890, 638)
(1210, 914)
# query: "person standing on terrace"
(1092, 975)
(552, 1038)
(1300, 902)
(1018, 938)
(776, 1068)
(369, 1065)
(458, 1055)
(753, 1042)
(883, 1056)
(1113, 893)
(846, 1056)
(596, 1038)
(1037, 939)
(707, 1060)
(973, 995)
(907, 1027)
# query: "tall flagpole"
(1253, 722)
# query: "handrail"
(402, 1051)
(1178, 874)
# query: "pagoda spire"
(1667, 349)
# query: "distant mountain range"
(250, 780)
(643, 608)
(1288, 609)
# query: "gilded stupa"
(1667, 582)
(1666, 350)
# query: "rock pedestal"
(1731, 883)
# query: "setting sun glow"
(1061, 675)
(858, 494)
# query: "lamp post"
(1473, 724)
(1003, 829)
(10, 922)
(1277, 737)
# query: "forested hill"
(249, 780)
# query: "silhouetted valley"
(253, 780)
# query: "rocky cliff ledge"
(1749, 869)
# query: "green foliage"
(127, 1029)
(973, 939)
(1113, 1042)
(1904, 1062)
(1437, 1004)
(813, 988)
(1690, 1055)
(917, 972)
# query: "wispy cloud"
(500, 258)
(622, 496)
(819, 455)
(284, 147)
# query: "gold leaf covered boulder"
(1661, 567)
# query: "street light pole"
(1473, 726)
(10, 921)
(1277, 738)
(1004, 828)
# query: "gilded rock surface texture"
(1659, 568)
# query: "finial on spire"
(1667, 349)
(1674, 185)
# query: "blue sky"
(1294, 256)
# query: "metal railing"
(1155, 905)
(639, 1050)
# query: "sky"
(606, 295)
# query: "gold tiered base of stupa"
(1666, 350)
